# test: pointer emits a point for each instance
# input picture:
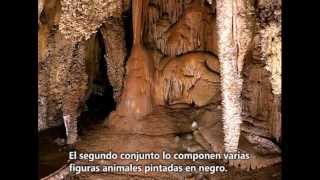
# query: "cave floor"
(155, 133)
(51, 156)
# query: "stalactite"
(139, 13)
(239, 43)
(173, 64)
(230, 77)
(159, 10)
(174, 9)
(81, 19)
(179, 80)
(63, 81)
(192, 32)
(152, 17)
(114, 36)
(243, 29)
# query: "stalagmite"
(230, 76)
(202, 75)
(136, 96)
(75, 91)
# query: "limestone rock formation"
(261, 107)
(114, 36)
(188, 79)
(81, 19)
(67, 67)
(40, 8)
(201, 75)
(136, 99)
(64, 84)
(210, 135)
(268, 40)
(231, 80)
(194, 30)
(266, 54)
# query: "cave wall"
(81, 19)
(68, 61)
(172, 30)
(181, 36)
(262, 73)
(175, 28)
(114, 37)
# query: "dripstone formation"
(200, 76)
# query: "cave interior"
(148, 76)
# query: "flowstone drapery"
(201, 75)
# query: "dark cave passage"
(127, 20)
(98, 105)
(100, 102)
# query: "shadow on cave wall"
(127, 20)
(100, 102)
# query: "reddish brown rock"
(187, 80)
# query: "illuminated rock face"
(190, 79)
(67, 64)
(136, 99)
(194, 30)
(63, 84)
(113, 34)
(173, 63)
